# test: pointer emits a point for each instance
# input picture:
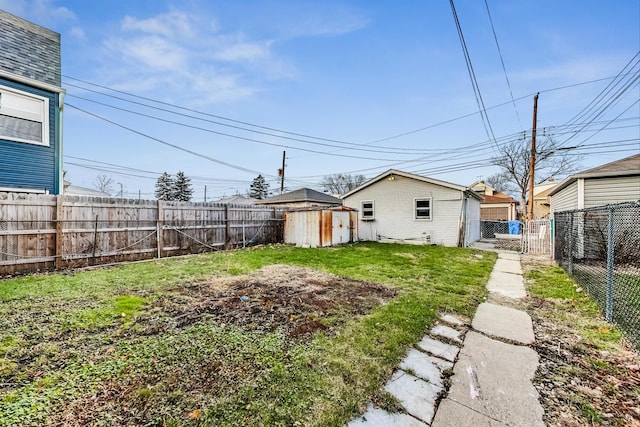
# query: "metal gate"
(537, 237)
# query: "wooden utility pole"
(284, 153)
(532, 163)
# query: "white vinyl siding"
(566, 199)
(423, 209)
(367, 211)
(606, 191)
(23, 117)
(395, 211)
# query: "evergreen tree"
(182, 190)
(164, 187)
(259, 188)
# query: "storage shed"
(320, 226)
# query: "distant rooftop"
(301, 195)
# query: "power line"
(220, 162)
(504, 69)
(196, 111)
(398, 151)
(472, 75)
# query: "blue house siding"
(31, 166)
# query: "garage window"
(23, 117)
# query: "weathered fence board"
(45, 232)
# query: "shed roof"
(409, 175)
(623, 167)
(301, 195)
(497, 199)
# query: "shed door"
(341, 232)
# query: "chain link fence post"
(610, 265)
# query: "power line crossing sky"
(219, 89)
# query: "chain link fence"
(600, 248)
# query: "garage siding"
(566, 199)
(606, 191)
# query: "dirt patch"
(296, 300)
(580, 384)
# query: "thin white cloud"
(41, 12)
(244, 51)
(78, 33)
(154, 53)
(172, 24)
(323, 20)
(573, 70)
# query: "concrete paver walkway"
(491, 385)
(492, 376)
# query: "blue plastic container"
(514, 227)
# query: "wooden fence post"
(227, 228)
(159, 233)
(59, 242)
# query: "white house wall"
(605, 191)
(394, 205)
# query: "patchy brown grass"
(588, 374)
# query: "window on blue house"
(23, 117)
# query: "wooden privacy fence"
(40, 232)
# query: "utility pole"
(532, 163)
(205, 194)
(284, 153)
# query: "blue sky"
(339, 75)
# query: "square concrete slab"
(417, 397)
(506, 284)
(376, 417)
(452, 320)
(439, 349)
(447, 332)
(509, 255)
(424, 367)
(452, 414)
(504, 322)
(494, 379)
(508, 266)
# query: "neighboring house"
(403, 206)
(30, 107)
(496, 206)
(238, 200)
(611, 183)
(304, 197)
(541, 199)
(72, 190)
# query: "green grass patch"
(572, 307)
(104, 345)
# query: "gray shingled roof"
(623, 167)
(301, 195)
(29, 50)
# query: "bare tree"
(341, 183)
(103, 183)
(551, 161)
(501, 182)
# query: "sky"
(220, 89)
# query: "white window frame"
(39, 114)
(416, 209)
(363, 210)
